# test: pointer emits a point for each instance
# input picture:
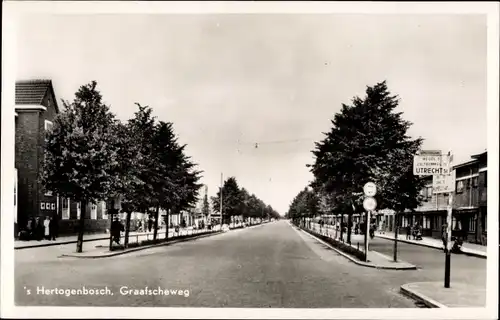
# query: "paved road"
(464, 268)
(272, 265)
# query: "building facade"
(469, 216)
(35, 110)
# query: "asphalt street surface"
(272, 265)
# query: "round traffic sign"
(370, 189)
(369, 203)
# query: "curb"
(58, 243)
(466, 252)
(428, 302)
(118, 253)
(89, 240)
(361, 263)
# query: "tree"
(205, 207)
(129, 185)
(176, 178)
(368, 141)
(81, 156)
(231, 199)
(141, 131)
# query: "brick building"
(35, 109)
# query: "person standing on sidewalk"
(46, 228)
(38, 230)
(116, 228)
(30, 228)
(408, 232)
(52, 229)
(150, 224)
(444, 237)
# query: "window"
(460, 186)
(42, 205)
(65, 208)
(422, 192)
(472, 223)
(53, 206)
(429, 192)
(475, 182)
(93, 212)
(104, 212)
(435, 222)
(426, 222)
(78, 211)
(456, 224)
(48, 125)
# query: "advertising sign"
(430, 164)
(444, 183)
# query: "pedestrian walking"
(53, 229)
(116, 229)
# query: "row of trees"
(368, 141)
(238, 201)
(91, 156)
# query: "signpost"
(430, 163)
(440, 167)
(370, 189)
(444, 183)
(369, 204)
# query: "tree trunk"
(155, 231)
(349, 227)
(81, 226)
(127, 229)
(341, 226)
(110, 213)
(167, 223)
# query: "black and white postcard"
(249, 160)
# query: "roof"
(480, 155)
(33, 91)
(465, 164)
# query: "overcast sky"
(230, 81)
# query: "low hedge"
(342, 246)
(157, 241)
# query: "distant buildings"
(35, 110)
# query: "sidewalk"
(435, 295)
(101, 248)
(471, 249)
(133, 236)
(375, 259)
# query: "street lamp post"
(221, 185)
(396, 227)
